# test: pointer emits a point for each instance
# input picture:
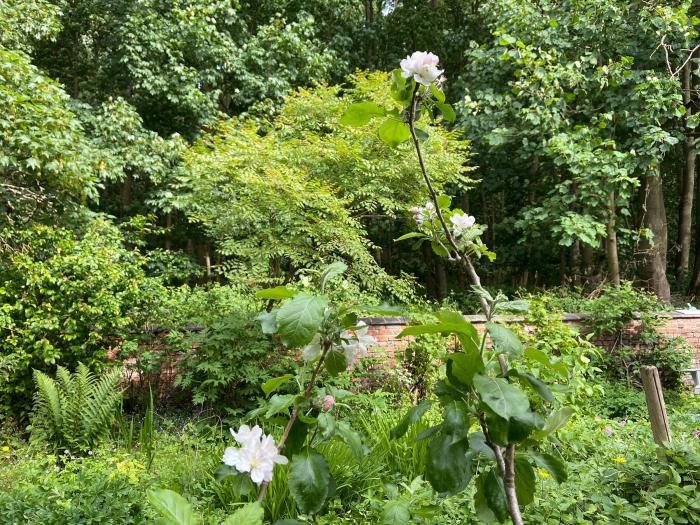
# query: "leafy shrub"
(616, 306)
(421, 361)
(564, 344)
(83, 490)
(611, 313)
(64, 299)
(229, 361)
(618, 401)
(75, 411)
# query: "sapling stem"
(295, 413)
(505, 456)
(463, 258)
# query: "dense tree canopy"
(580, 117)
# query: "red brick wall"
(682, 323)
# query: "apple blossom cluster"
(353, 344)
(424, 214)
(257, 454)
(422, 66)
(461, 223)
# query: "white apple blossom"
(355, 342)
(461, 223)
(257, 455)
(246, 435)
(422, 66)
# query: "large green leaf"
(351, 438)
(462, 366)
(524, 481)
(279, 403)
(309, 481)
(361, 113)
(268, 387)
(173, 508)
(554, 422)
(539, 387)
(504, 399)
(455, 421)
(412, 416)
(504, 340)
(552, 465)
(335, 362)
(394, 131)
(250, 514)
(447, 112)
(299, 318)
(448, 468)
(395, 512)
(495, 495)
(332, 270)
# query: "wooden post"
(657, 407)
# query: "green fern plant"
(74, 411)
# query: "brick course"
(680, 323)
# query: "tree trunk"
(440, 278)
(655, 250)
(576, 263)
(611, 243)
(587, 261)
(685, 212)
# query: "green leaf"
(520, 305)
(504, 399)
(331, 271)
(411, 417)
(309, 481)
(299, 318)
(444, 202)
(450, 323)
(477, 443)
(555, 421)
(539, 387)
(273, 384)
(174, 509)
(504, 340)
(462, 366)
(289, 522)
(521, 426)
(278, 292)
(437, 93)
(394, 131)
(483, 512)
(297, 438)
(279, 403)
(335, 362)
(455, 421)
(361, 113)
(327, 425)
(411, 235)
(538, 356)
(448, 468)
(351, 438)
(552, 465)
(524, 481)
(268, 322)
(395, 512)
(447, 112)
(439, 249)
(495, 495)
(250, 514)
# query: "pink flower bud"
(328, 403)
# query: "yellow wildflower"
(543, 473)
(5, 448)
(619, 459)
